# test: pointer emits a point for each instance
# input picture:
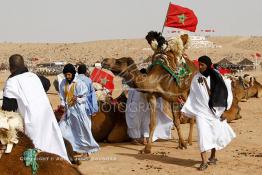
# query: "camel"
(109, 123)
(11, 160)
(243, 88)
(158, 82)
(49, 164)
(234, 112)
(254, 88)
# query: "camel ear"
(184, 38)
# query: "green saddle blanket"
(180, 72)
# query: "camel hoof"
(144, 151)
(141, 151)
(183, 146)
(147, 151)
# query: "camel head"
(177, 46)
(238, 87)
(118, 65)
(249, 80)
(254, 87)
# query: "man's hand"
(222, 118)
(72, 102)
(61, 108)
(74, 99)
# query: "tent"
(225, 63)
(247, 64)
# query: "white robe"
(34, 106)
(138, 117)
(212, 133)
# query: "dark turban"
(218, 89)
(81, 69)
(205, 59)
(69, 68)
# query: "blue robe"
(92, 106)
(76, 125)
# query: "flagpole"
(165, 18)
(256, 62)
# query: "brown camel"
(254, 88)
(158, 82)
(109, 123)
(49, 164)
(243, 89)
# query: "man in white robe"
(207, 102)
(138, 118)
(25, 91)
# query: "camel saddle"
(179, 73)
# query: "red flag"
(181, 17)
(258, 54)
(103, 78)
(224, 71)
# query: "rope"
(30, 159)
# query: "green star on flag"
(182, 18)
(104, 81)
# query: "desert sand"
(242, 156)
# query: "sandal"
(203, 166)
(212, 161)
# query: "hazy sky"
(87, 20)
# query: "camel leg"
(152, 125)
(259, 93)
(238, 113)
(191, 121)
(182, 143)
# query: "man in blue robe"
(91, 107)
(76, 124)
